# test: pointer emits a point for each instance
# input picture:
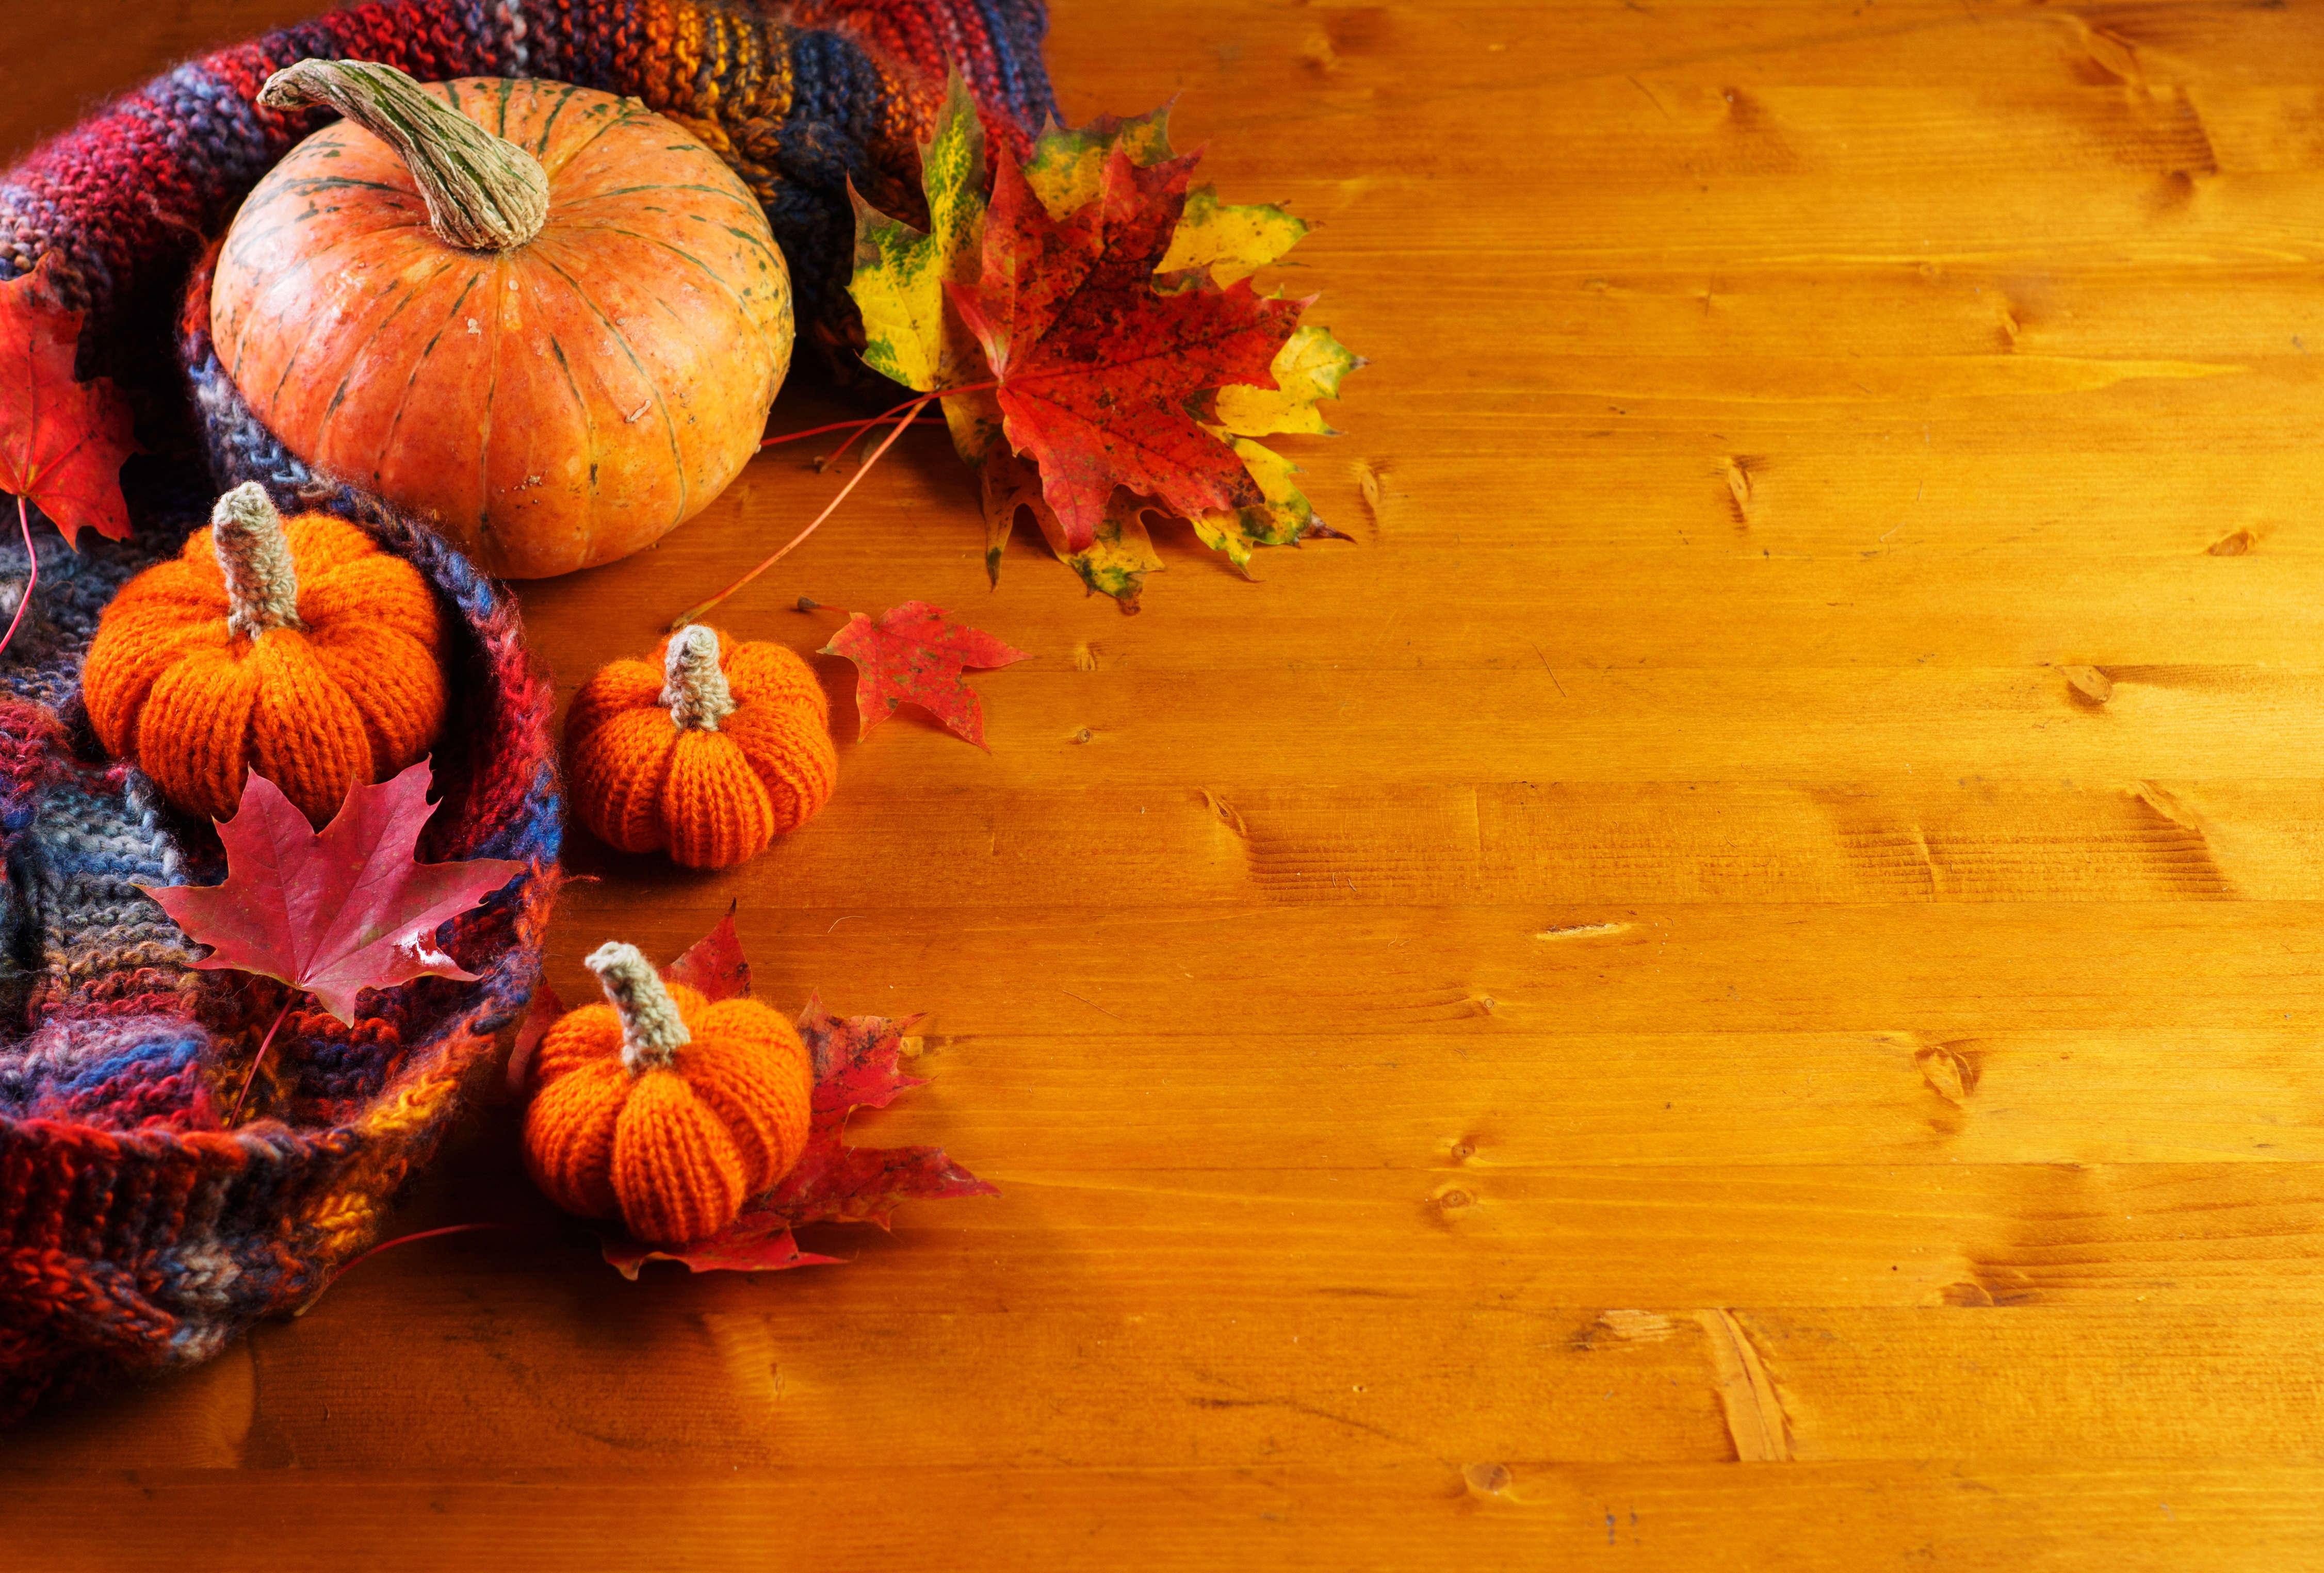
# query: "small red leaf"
(337, 912)
(856, 1066)
(61, 441)
(714, 964)
(911, 653)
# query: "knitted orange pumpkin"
(662, 1107)
(711, 750)
(298, 651)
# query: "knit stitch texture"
(662, 1106)
(708, 751)
(137, 1232)
(314, 660)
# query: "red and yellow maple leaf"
(61, 440)
(1097, 368)
(1059, 276)
(910, 654)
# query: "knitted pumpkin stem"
(484, 192)
(652, 1032)
(261, 581)
(694, 686)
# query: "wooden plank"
(1844, 563)
(1790, 1235)
(1135, 728)
(1432, 1102)
(2141, 1516)
(810, 1376)
(1481, 973)
(1567, 843)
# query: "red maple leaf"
(61, 441)
(855, 1067)
(1097, 369)
(337, 912)
(910, 652)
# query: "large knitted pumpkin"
(544, 315)
(709, 752)
(298, 649)
(662, 1107)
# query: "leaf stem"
(449, 1229)
(31, 584)
(257, 1060)
(697, 613)
(838, 426)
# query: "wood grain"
(1733, 984)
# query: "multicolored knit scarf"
(135, 1231)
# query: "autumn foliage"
(1099, 349)
(61, 440)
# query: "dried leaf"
(909, 653)
(856, 1066)
(754, 1242)
(1118, 560)
(1076, 267)
(1280, 516)
(1308, 367)
(1010, 483)
(1065, 167)
(1227, 243)
(337, 912)
(912, 334)
(61, 441)
(1097, 367)
(714, 965)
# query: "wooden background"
(1643, 1012)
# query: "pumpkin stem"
(484, 192)
(652, 1032)
(694, 686)
(262, 583)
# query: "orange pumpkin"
(710, 750)
(298, 649)
(662, 1107)
(543, 314)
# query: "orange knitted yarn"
(297, 649)
(710, 750)
(664, 1110)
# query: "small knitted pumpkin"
(711, 750)
(663, 1107)
(298, 651)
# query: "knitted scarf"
(135, 1231)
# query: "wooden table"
(1733, 985)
